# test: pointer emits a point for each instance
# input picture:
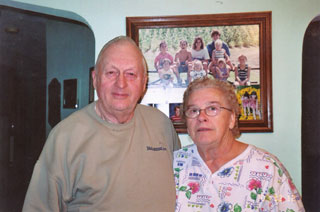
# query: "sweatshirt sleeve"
(45, 190)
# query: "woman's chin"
(203, 141)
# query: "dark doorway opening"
(26, 55)
(311, 116)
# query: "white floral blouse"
(253, 181)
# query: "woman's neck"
(216, 157)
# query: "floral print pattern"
(226, 172)
(253, 181)
(193, 188)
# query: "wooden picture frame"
(246, 34)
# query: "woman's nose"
(202, 115)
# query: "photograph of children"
(175, 112)
(249, 100)
(177, 56)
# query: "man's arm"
(226, 47)
(210, 49)
(45, 190)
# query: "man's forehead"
(122, 51)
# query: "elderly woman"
(218, 172)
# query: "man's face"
(119, 78)
(183, 45)
(215, 37)
(177, 111)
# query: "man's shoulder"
(150, 111)
(224, 44)
(153, 116)
(79, 117)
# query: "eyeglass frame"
(218, 108)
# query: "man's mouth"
(120, 95)
(203, 129)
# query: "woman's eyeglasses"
(211, 110)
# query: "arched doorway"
(311, 116)
(39, 55)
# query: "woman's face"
(207, 130)
(198, 44)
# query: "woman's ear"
(232, 120)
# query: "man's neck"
(119, 117)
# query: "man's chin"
(123, 107)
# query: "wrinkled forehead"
(206, 95)
(122, 52)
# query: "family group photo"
(177, 56)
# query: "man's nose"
(121, 80)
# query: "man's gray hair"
(122, 39)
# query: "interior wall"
(62, 64)
(290, 19)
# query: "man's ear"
(145, 82)
(94, 78)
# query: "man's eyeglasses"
(211, 110)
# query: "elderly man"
(114, 154)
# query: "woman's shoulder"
(183, 157)
(185, 152)
(266, 160)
